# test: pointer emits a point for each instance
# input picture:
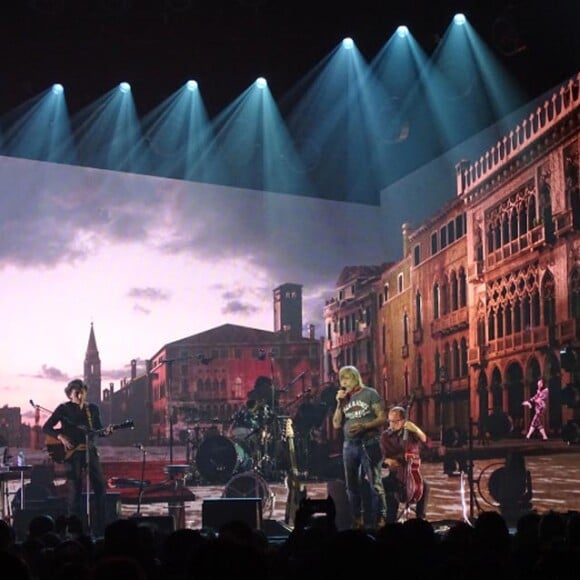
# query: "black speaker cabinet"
(219, 511)
(53, 507)
(56, 507)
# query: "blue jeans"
(363, 461)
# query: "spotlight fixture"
(348, 43)
(402, 31)
(261, 83)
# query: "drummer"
(260, 400)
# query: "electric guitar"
(59, 454)
(296, 490)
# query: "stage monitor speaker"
(219, 511)
(53, 507)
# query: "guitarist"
(401, 442)
(73, 425)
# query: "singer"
(360, 413)
(79, 421)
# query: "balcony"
(477, 356)
(563, 222)
(530, 240)
(450, 323)
(475, 271)
(531, 338)
(568, 331)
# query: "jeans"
(76, 474)
(362, 460)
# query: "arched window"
(549, 299)
(500, 321)
(517, 315)
(523, 219)
(462, 288)
(514, 224)
(497, 235)
(535, 309)
(491, 325)
(456, 360)
(444, 297)
(463, 354)
(454, 291)
(406, 329)
(508, 319)
(490, 238)
(526, 312)
(532, 211)
(505, 229)
(419, 310)
(446, 362)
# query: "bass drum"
(219, 458)
(251, 484)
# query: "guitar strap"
(89, 416)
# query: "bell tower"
(288, 310)
(92, 374)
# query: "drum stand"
(176, 508)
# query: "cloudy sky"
(149, 261)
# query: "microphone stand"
(88, 481)
(40, 408)
(142, 480)
(274, 417)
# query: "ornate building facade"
(486, 298)
(522, 203)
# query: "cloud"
(237, 307)
(52, 374)
(69, 213)
(152, 294)
(141, 309)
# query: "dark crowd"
(541, 546)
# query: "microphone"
(32, 402)
(139, 446)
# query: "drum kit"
(250, 450)
(247, 442)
